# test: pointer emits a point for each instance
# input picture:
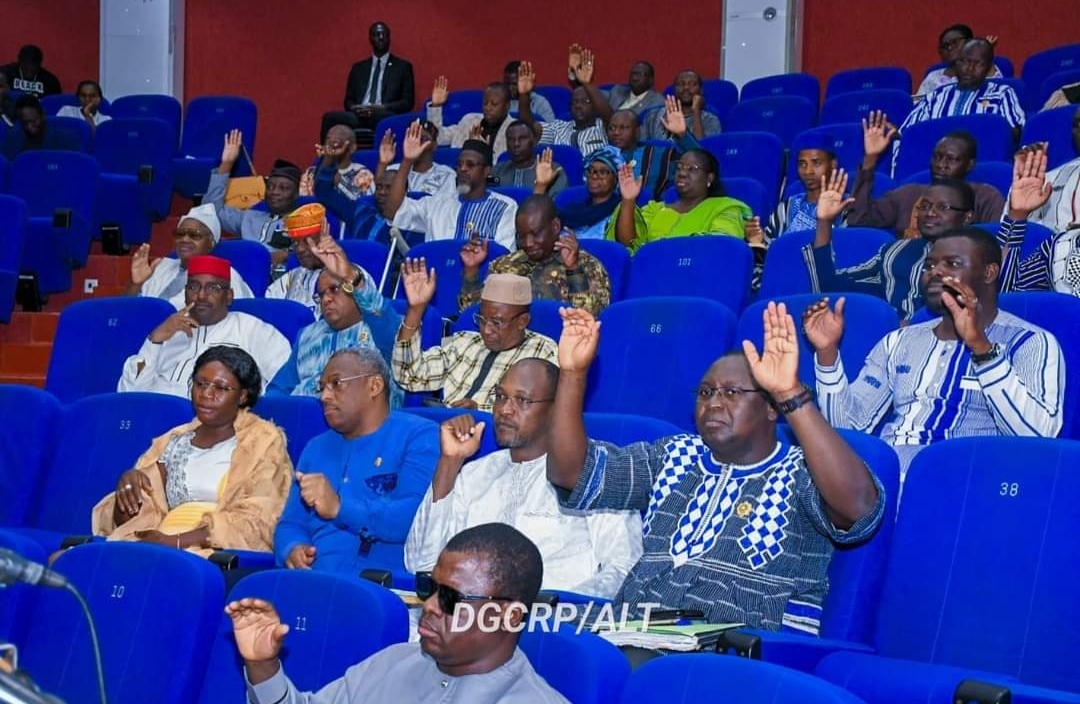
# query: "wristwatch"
(350, 286)
(796, 402)
(988, 356)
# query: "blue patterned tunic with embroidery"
(746, 544)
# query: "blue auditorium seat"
(432, 326)
(802, 85)
(624, 429)
(1041, 65)
(785, 271)
(13, 226)
(154, 609)
(17, 601)
(854, 107)
(139, 149)
(161, 107)
(447, 156)
(334, 623)
(251, 260)
(756, 155)
(544, 313)
(103, 438)
(782, 115)
(979, 575)
(599, 668)
(460, 103)
(1055, 81)
(518, 195)
(114, 328)
(696, 677)
(750, 192)
(444, 257)
(569, 158)
(51, 104)
(721, 95)
(300, 417)
(996, 173)
(1034, 236)
(5, 170)
(27, 438)
(77, 130)
(288, 317)
(206, 122)
(1053, 126)
(440, 414)
(53, 185)
(992, 132)
(863, 79)
(616, 260)
(397, 124)
(716, 267)
(559, 98)
(867, 319)
(1020, 88)
(633, 372)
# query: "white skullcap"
(207, 215)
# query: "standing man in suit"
(377, 87)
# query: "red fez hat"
(206, 264)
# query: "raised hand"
(673, 118)
(332, 255)
(302, 557)
(180, 321)
(568, 248)
(823, 327)
(387, 148)
(473, 254)
(877, 133)
(629, 186)
(231, 151)
(316, 492)
(418, 280)
(831, 202)
(414, 146)
(132, 486)
(477, 132)
(579, 339)
(257, 628)
(546, 171)
(776, 369)
(526, 78)
(1030, 189)
(141, 266)
(459, 437)
(964, 307)
(993, 39)
(440, 92)
(574, 60)
(753, 232)
(584, 73)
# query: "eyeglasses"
(189, 234)
(212, 288)
(330, 291)
(688, 168)
(211, 388)
(448, 597)
(497, 323)
(938, 208)
(338, 384)
(520, 403)
(726, 393)
(599, 173)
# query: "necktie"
(376, 84)
(481, 376)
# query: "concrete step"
(25, 358)
(37, 380)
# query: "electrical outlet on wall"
(89, 285)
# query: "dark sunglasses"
(448, 597)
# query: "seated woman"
(89, 107)
(701, 209)
(219, 481)
(589, 219)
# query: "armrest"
(550, 598)
(248, 559)
(793, 650)
(982, 692)
(381, 577)
(73, 540)
(564, 597)
(146, 174)
(62, 218)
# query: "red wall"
(292, 57)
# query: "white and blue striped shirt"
(453, 217)
(927, 389)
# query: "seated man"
(815, 161)
(163, 364)
(28, 74)
(426, 175)
(654, 165)
(353, 314)
(588, 106)
(474, 212)
(699, 122)
(335, 156)
(953, 158)
(972, 94)
(587, 553)
(1061, 212)
(519, 171)
(358, 484)
(468, 364)
(637, 93)
(265, 226)
(7, 103)
(978, 371)
(892, 273)
(740, 523)
(538, 104)
(31, 131)
(451, 663)
(549, 256)
(197, 233)
(488, 126)
(299, 283)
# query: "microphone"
(16, 568)
(398, 241)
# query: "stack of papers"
(686, 638)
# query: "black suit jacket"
(399, 89)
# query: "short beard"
(463, 189)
